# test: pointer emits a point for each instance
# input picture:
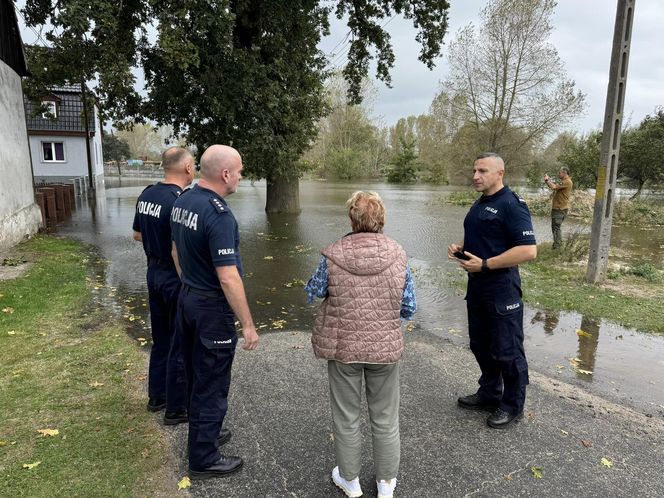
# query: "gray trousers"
(382, 389)
(557, 218)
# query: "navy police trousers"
(166, 370)
(496, 339)
(206, 325)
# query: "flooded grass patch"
(80, 386)
(632, 295)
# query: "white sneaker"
(386, 488)
(351, 488)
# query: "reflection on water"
(280, 252)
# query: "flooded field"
(280, 252)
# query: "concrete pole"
(600, 238)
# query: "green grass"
(633, 297)
(81, 375)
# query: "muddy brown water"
(280, 252)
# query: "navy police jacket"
(494, 224)
(152, 219)
(206, 235)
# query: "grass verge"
(66, 366)
(631, 295)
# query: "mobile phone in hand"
(460, 255)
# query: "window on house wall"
(53, 151)
(51, 110)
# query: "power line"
(341, 59)
(25, 23)
(331, 52)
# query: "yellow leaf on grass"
(11, 332)
(268, 258)
(585, 372)
(96, 384)
(184, 483)
(583, 333)
(48, 432)
(9, 310)
(30, 466)
(537, 472)
(607, 463)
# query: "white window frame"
(52, 109)
(64, 152)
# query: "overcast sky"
(583, 33)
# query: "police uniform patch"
(218, 206)
(518, 197)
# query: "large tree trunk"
(283, 195)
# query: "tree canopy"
(507, 82)
(241, 72)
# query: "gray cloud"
(583, 32)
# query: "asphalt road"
(280, 417)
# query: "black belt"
(167, 264)
(488, 274)
(201, 292)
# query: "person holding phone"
(498, 236)
(560, 204)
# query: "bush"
(645, 270)
(639, 212)
(462, 197)
(576, 247)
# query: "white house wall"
(75, 163)
(19, 215)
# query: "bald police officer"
(152, 227)
(498, 236)
(206, 247)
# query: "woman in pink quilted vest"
(368, 289)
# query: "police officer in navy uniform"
(206, 248)
(498, 236)
(152, 228)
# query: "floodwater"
(280, 252)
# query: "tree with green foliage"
(546, 161)
(90, 40)
(642, 152)
(404, 166)
(246, 73)
(253, 74)
(115, 149)
(508, 82)
(581, 156)
(348, 145)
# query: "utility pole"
(91, 177)
(600, 237)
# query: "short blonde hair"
(366, 212)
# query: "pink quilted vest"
(359, 321)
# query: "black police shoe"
(221, 468)
(476, 402)
(224, 437)
(500, 419)
(175, 418)
(156, 404)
